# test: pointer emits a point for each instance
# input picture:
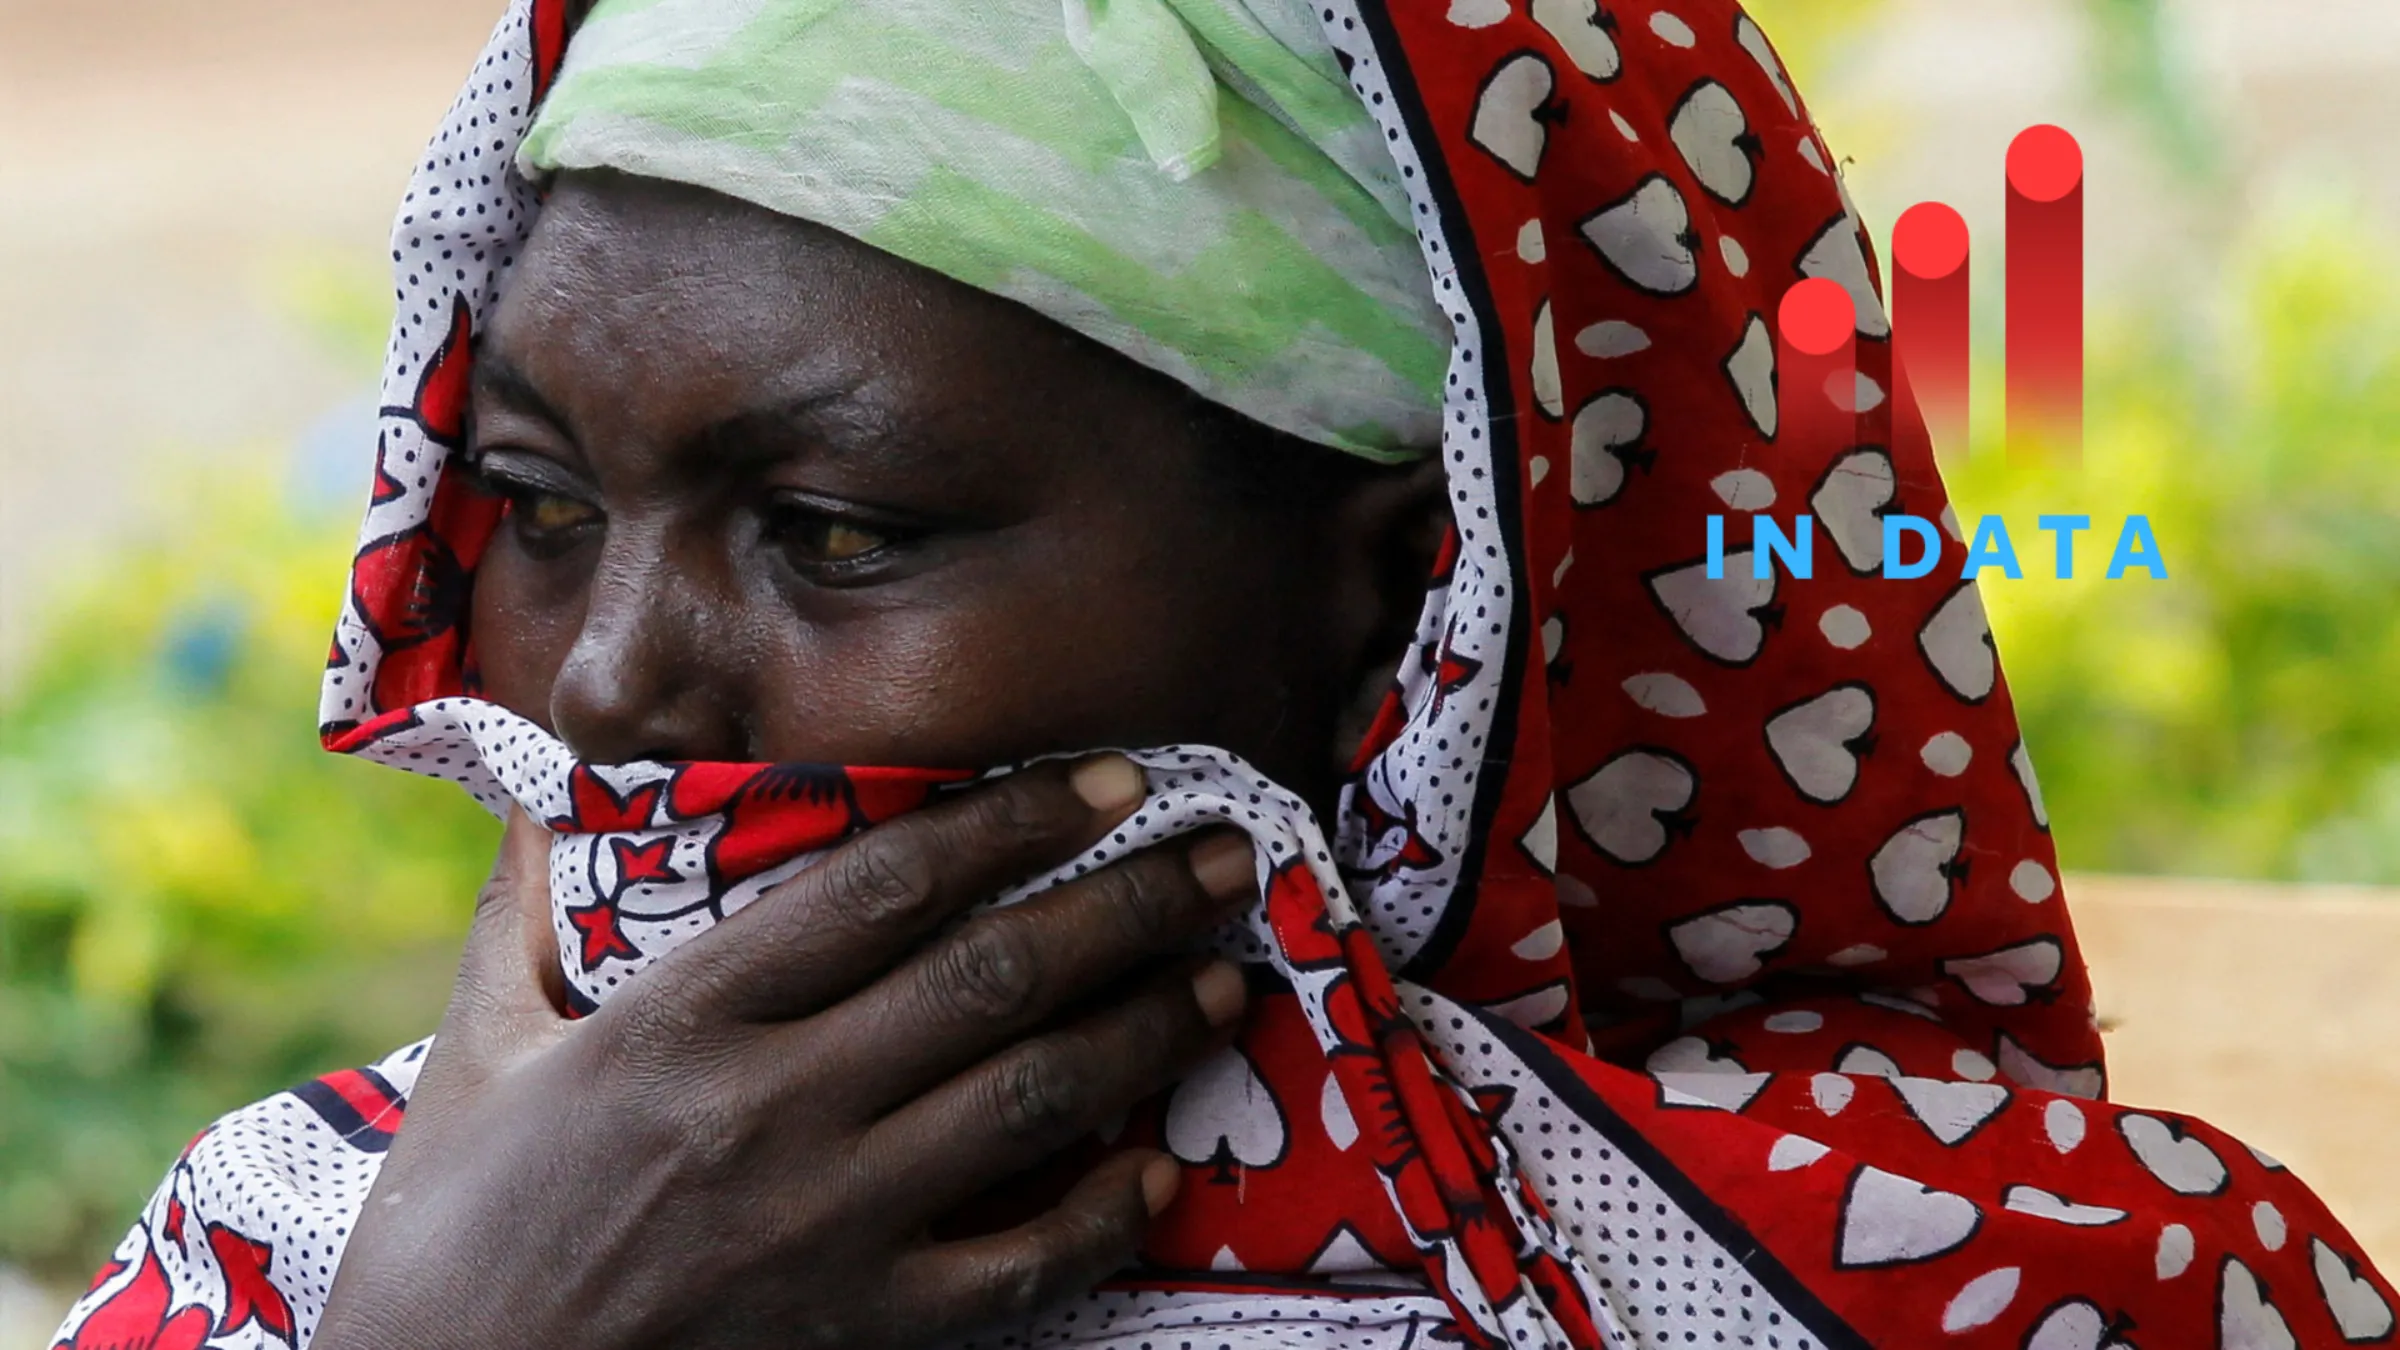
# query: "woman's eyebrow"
(839, 421)
(495, 379)
(538, 472)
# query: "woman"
(1656, 961)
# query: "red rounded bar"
(1817, 368)
(1932, 323)
(2045, 293)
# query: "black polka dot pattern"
(1408, 1144)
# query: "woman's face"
(776, 495)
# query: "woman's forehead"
(614, 250)
(668, 313)
(617, 248)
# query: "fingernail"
(1225, 866)
(1160, 1180)
(1220, 991)
(1108, 783)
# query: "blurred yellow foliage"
(1808, 33)
(2235, 719)
(199, 905)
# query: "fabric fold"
(1654, 985)
(1142, 53)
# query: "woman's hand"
(744, 1147)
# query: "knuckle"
(1147, 898)
(658, 1023)
(1022, 809)
(700, 1135)
(496, 906)
(1071, 1254)
(1021, 1290)
(495, 894)
(989, 972)
(1166, 1024)
(711, 1140)
(1149, 1038)
(885, 882)
(1037, 1094)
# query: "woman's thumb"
(509, 984)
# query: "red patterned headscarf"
(1687, 964)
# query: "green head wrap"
(1190, 182)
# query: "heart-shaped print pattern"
(1890, 1220)
(1608, 429)
(2042, 1204)
(1957, 642)
(1726, 617)
(1708, 128)
(1513, 114)
(1916, 871)
(2011, 976)
(1631, 808)
(2182, 1162)
(1584, 31)
(1734, 943)
(1223, 1116)
(1818, 743)
(1851, 501)
(2246, 1318)
(1647, 239)
(2077, 1324)
(1751, 368)
(2359, 1310)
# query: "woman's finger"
(510, 992)
(839, 925)
(1008, 971)
(1007, 1278)
(1019, 1107)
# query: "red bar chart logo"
(1933, 315)
(1932, 356)
(1933, 303)
(1818, 391)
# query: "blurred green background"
(199, 907)
(199, 904)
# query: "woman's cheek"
(940, 685)
(523, 628)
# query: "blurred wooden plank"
(2270, 1012)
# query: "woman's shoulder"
(239, 1243)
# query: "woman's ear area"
(1426, 516)
(1393, 520)
(1385, 532)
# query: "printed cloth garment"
(1687, 964)
(1190, 182)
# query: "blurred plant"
(198, 906)
(2236, 719)
(346, 310)
(1810, 34)
(2138, 61)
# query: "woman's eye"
(814, 539)
(547, 524)
(547, 513)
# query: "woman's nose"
(649, 676)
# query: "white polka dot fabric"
(1687, 964)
